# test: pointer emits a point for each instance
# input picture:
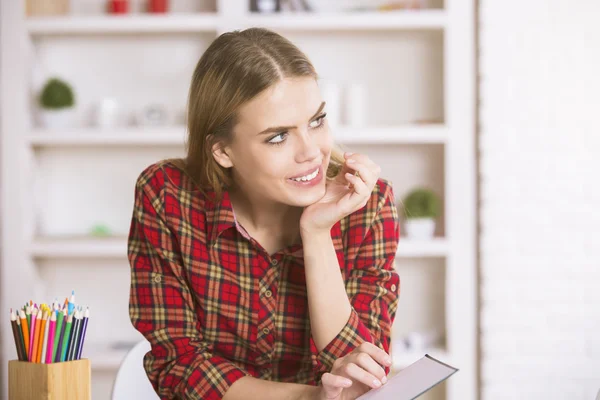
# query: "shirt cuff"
(350, 337)
(214, 377)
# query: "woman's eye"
(278, 137)
(318, 122)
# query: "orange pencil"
(25, 330)
(41, 341)
(36, 335)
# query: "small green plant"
(56, 94)
(421, 203)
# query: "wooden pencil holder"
(57, 381)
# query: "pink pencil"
(51, 338)
(33, 323)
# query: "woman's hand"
(348, 192)
(363, 367)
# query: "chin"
(311, 196)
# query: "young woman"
(262, 263)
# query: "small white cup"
(107, 113)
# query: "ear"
(221, 155)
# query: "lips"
(306, 172)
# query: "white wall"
(540, 222)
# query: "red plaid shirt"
(216, 307)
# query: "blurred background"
(478, 111)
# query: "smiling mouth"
(307, 178)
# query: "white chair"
(132, 382)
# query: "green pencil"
(65, 342)
(59, 321)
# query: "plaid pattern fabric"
(216, 307)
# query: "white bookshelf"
(175, 136)
(207, 22)
(116, 247)
(437, 44)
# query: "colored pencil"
(13, 323)
(32, 333)
(38, 357)
(45, 340)
(59, 323)
(72, 302)
(58, 354)
(86, 316)
(38, 324)
(28, 315)
(25, 329)
(65, 342)
(51, 333)
(21, 338)
(74, 337)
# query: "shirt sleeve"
(180, 364)
(372, 286)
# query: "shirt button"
(393, 288)
(266, 331)
(157, 278)
(268, 293)
(273, 262)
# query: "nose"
(308, 148)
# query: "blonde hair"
(235, 68)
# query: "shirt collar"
(220, 216)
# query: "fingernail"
(350, 161)
(349, 175)
(349, 154)
(388, 361)
(347, 383)
(384, 380)
(376, 382)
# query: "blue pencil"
(86, 316)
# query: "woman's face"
(282, 144)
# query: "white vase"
(420, 228)
(57, 119)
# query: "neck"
(261, 215)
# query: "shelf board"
(118, 24)
(402, 359)
(212, 22)
(80, 246)
(124, 136)
(175, 136)
(392, 20)
(437, 247)
(115, 247)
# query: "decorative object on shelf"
(393, 6)
(331, 93)
(106, 113)
(403, 5)
(266, 6)
(46, 7)
(158, 6)
(117, 6)
(356, 104)
(153, 115)
(100, 230)
(295, 5)
(57, 102)
(421, 208)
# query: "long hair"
(235, 68)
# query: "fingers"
(334, 384)
(376, 353)
(361, 375)
(360, 187)
(366, 173)
(367, 363)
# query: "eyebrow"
(285, 128)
